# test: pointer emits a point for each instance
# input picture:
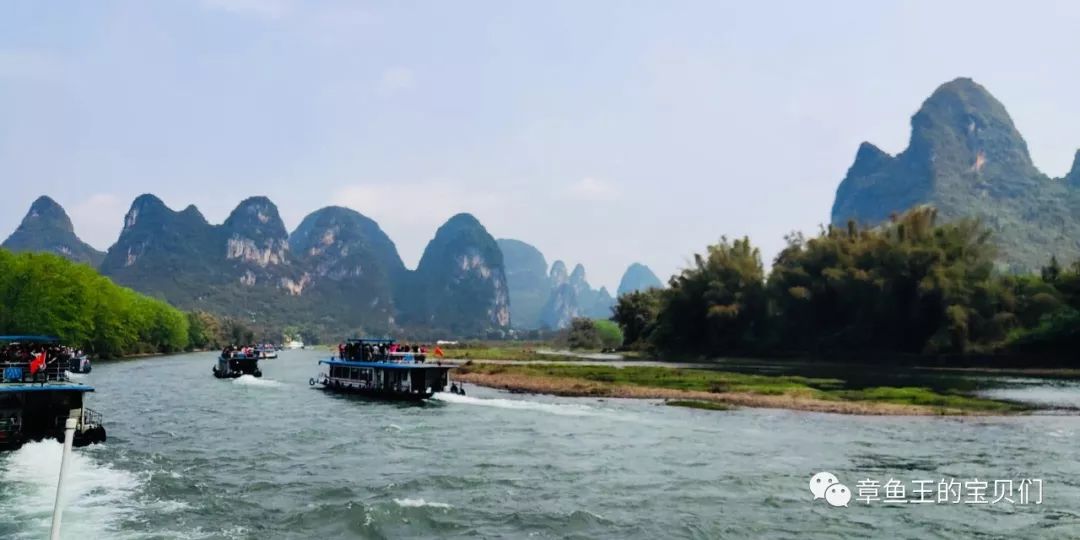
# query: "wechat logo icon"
(825, 485)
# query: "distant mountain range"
(967, 159)
(543, 298)
(337, 273)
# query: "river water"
(191, 456)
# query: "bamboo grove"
(910, 286)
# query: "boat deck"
(46, 386)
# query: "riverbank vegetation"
(698, 404)
(911, 287)
(46, 294)
(519, 351)
(733, 389)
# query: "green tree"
(636, 313)
(910, 285)
(716, 306)
(45, 294)
(582, 334)
(608, 333)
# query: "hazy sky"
(603, 132)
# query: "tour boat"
(235, 363)
(372, 367)
(267, 351)
(79, 363)
(36, 397)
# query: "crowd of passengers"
(246, 351)
(374, 352)
(24, 353)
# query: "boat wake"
(561, 409)
(420, 503)
(98, 497)
(251, 380)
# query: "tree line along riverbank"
(41, 293)
(909, 288)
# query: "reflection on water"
(1045, 393)
(191, 456)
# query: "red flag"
(38, 363)
(438, 352)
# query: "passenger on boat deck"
(25, 352)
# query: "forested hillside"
(41, 293)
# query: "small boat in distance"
(267, 351)
(79, 363)
(235, 362)
(36, 397)
(377, 368)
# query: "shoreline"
(526, 380)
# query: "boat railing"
(243, 356)
(19, 372)
(391, 358)
(90, 418)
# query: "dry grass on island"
(733, 389)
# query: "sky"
(602, 132)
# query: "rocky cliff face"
(48, 228)
(527, 280)
(337, 272)
(460, 283)
(967, 159)
(255, 234)
(240, 268)
(351, 263)
(638, 277)
(338, 268)
(558, 274)
(257, 248)
(165, 253)
(573, 297)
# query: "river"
(191, 456)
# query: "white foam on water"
(97, 497)
(420, 503)
(251, 380)
(561, 409)
(74, 376)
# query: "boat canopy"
(31, 339)
(370, 340)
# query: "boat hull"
(235, 374)
(80, 365)
(231, 368)
(373, 393)
(94, 435)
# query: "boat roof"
(369, 340)
(32, 339)
(382, 365)
(50, 386)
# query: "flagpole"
(58, 507)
